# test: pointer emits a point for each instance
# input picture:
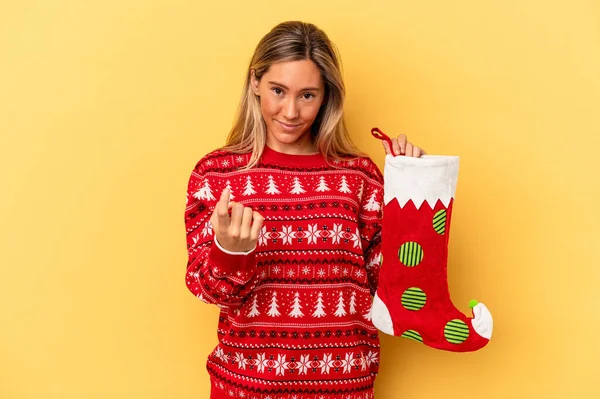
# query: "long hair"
(292, 41)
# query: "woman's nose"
(290, 109)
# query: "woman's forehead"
(295, 75)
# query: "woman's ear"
(254, 82)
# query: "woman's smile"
(287, 127)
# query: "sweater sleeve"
(370, 218)
(214, 275)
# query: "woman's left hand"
(403, 147)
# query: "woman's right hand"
(238, 232)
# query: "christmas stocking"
(412, 299)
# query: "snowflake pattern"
(302, 364)
(312, 234)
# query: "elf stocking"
(412, 298)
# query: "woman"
(283, 231)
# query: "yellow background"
(105, 107)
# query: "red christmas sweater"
(295, 311)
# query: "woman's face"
(291, 94)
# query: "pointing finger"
(222, 209)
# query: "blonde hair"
(292, 41)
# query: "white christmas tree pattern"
(353, 303)
(319, 307)
(340, 311)
(249, 188)
(367, 315)
(297, 187)
(228, 185)
(375, 260)
(296, 312)
(204, 193)
(254, 309)
(322, 187)
(372, 204)
(272, 187)
(344, 188)
(360, 190)
(273, 312)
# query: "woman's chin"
(288, 137)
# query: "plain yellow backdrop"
(106, 106)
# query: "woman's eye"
(277, 90)
(308, 96)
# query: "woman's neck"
(303, 146)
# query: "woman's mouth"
(287, 127)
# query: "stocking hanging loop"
(378, 134)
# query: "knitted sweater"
(295, 311)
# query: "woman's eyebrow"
(287, 88)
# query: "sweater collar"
(272, 156)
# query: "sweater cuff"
(231, 252)
(231, 262)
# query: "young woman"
(283, 232)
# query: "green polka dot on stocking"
(456, 331)
(412, 334)
(413, 298)
(439, 222)
(410, 253)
